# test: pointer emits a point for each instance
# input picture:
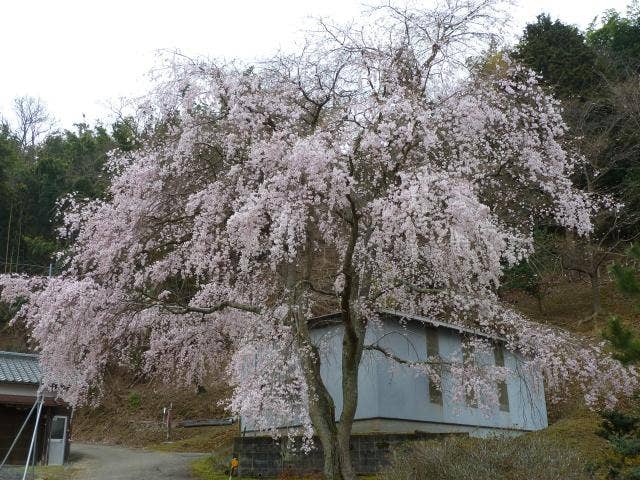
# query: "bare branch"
(402, 361)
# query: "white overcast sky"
(81, 55)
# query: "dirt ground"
(105, 462)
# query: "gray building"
(396, 403)
(20, 377)
(394, 398)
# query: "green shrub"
(134, 400)
(204, 468)
(499, 458)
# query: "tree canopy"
(558, 52)
(34, 177)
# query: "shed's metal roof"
(438, 323)
(332, 318)
(20, 368)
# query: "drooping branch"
(402, 361)
(180, 308)
(215, 308)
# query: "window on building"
(433, 350)
(503, 393)
(58, 426)
(467, 358)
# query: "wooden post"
(169, 421)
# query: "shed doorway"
(57, 440)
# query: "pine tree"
(622, 429)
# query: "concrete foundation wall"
(266, 457)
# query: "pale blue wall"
(396, 392)
(393, 391)
(406, 395)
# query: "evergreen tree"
(623, 434)
(617, 39)
(34, 178)
(622, 429)
(559, 53)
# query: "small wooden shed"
(20, 377)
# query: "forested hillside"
(36, 175)
(594, 74)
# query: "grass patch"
(58, 472)
(53, 472)
(577, 433)
(209, 439)
(212, 467)
(205, 468)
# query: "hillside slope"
(131, 414)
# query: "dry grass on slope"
(568, 450)
(568, 305)
(131, 415)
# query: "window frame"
(432, 344)
(503, 390)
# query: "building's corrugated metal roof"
(334, 317)
(438, 323)
(20, 368)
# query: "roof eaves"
(20, 368)
(333, 318)
(438, 323)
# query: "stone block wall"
(266, 457)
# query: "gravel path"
(10, 473)
(104, 462)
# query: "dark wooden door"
(11, 418)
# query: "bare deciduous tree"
(34, 121)
(606, 130)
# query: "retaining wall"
(266, 457)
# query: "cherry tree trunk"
(351, 356)
(335, 437)
(322, 413)
(594, 277)
(336, 447)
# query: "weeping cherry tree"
(374, 168)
